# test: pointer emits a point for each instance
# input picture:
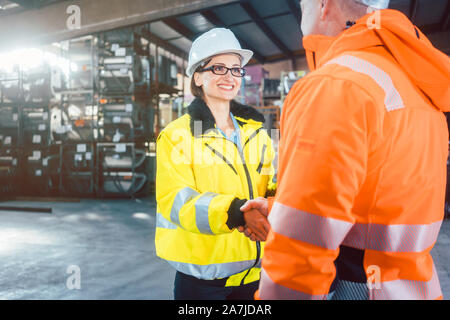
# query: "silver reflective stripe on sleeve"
(408, 289)
(269, 290)
(330, 233)
(212, 271)
(393, 238)
(300, 225)
(201, 212)
(162, 222)
(389, 290)
(392, 99)
(182, 197)
(346, 290)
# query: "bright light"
(91, 110)
(27, 58)
(31, 58)
(74, 111)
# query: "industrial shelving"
(93, 134)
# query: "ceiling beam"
(216, 21)
(413, 7)
(292, 4)
(277, 15)
(163, 43)
(265, 28)
(179, 27)
(48, 23)
(281, 57)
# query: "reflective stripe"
(393, 238)
(183, 196)
(392, 100)
(269, 290)
(389, 290)
(163, 223)
(201, 212)
(408, 289)
(330, 233)
(212, 271)
(296, 224)
(346, 290)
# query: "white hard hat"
(214, 42)
(377, 4)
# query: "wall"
(276, 68)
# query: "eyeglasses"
(222, 70)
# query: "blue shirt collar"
(235, 135)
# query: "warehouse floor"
(111, 245)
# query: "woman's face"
(220, 87)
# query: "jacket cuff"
(235, 216)
(270, 193)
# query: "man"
(362, 160)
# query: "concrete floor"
(112, 244)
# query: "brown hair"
(196, 90)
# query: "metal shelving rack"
(94, 136)
(27, 153)
(78, 131)
(123, 88)
(10, 130)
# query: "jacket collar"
(320, 49)
(199, 111)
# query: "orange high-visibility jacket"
(362, 168)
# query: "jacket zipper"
(250, 188)
(314, 59)
(221, 156)
(261, 163)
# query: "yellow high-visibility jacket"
(202, 180)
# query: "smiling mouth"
(226, 86)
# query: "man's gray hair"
(377, 4)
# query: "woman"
(209, 163)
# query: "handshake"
(255, 213)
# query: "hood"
(426, 66)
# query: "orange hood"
(426, 66)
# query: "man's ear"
(198, 79)
(325, 8)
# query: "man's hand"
(261, 204)
(262, 229)
(257, 223)
(249, 233)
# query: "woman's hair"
(196, 90)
